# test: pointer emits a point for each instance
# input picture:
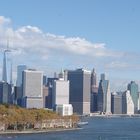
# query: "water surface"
(97, 129)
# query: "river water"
(97, 129)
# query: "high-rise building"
(4, 75)
(127, 103)
(61, 74)
(45, 96)
(60, 92)
(116, 103)
(20, 69)
(33, 88)
(79, 90)
(104, 95)
(94, 91)
(49, 99)
(133, 88)
(5, 93)
(94, 86)
(139, 103)
(44, 80)
(19, 84)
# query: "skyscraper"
(79, 90)
(127, 103)
(94, 81)
(133, 88)
(33, 88)
(49, 99)
(60, 92)
(5, 93)
(20, 69)
(94, 91)
(116, 103)
(4, 75)
(61, 74)
(104, 95)
(45, 96)
(19, 84)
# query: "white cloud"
(117, 64)
(32, 39)
(50, 52)
(4, 21)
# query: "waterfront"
(97, 129)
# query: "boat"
(82, 123)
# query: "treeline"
(17, 118)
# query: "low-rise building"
(64, 109)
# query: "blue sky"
(50, 34)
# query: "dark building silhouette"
(48, 102)
(79, 95)
(5, 93)
(116, 103)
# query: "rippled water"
(97, 129)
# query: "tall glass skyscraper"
(19, 84)
(94, 91)
(4, 75)
(20, 69)
(133, 88)
(104, 95)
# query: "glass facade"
(133, 88)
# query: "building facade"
(79, 90)
(116, 103)
(94, 92)
(33, 89)
(49, 99)
(19, 84)
(104, 95)
(127, 103)
(64, 109)
(5, 93)
(60, 92)
(133, 88)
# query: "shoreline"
(37, 131)
(116, 116)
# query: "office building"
(19, 84)
(45, 96)
(20, 69)
(64, 109)
(94, 85)
(94, 91)
(33, 89)
(133, 88)
(116, 103)
(44, 80)
(127, 103)
(80, 81)
(5, 93)
(104, 96)
(49, 99)
(60, 92)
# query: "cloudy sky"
(49, 35)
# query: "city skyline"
(50, 35)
